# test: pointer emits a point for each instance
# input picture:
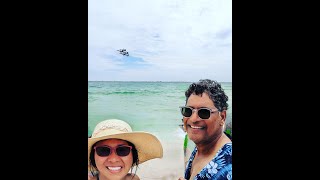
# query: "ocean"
(146, 106)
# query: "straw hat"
(147, 145)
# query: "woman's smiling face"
(113, 166)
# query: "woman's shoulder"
(90, 177)
(132, 177)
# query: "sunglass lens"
(186, 112)
(204, 113)
(103, 151)
(123, 150)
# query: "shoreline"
(171, 166)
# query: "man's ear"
(223, 117)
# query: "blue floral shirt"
(220, 167)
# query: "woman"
(114, 150)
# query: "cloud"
(165, 39)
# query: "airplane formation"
(123, 52)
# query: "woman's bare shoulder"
(132, 177)
(90, 177)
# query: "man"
(204, 119)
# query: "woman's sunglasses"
(203, 113)
(122, 150)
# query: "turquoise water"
(146, 106)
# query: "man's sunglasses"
(203, 113)
(122, 150)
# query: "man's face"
(203, 130)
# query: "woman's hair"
(213, 89)
(93, 166)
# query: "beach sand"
(170, 167)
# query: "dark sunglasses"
(122, 150)
(203, 113)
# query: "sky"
(167, 40)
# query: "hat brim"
(147, 145)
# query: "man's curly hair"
(213, 89)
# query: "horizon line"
(146, 81)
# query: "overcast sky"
(167, 40)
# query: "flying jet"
(123, 52)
